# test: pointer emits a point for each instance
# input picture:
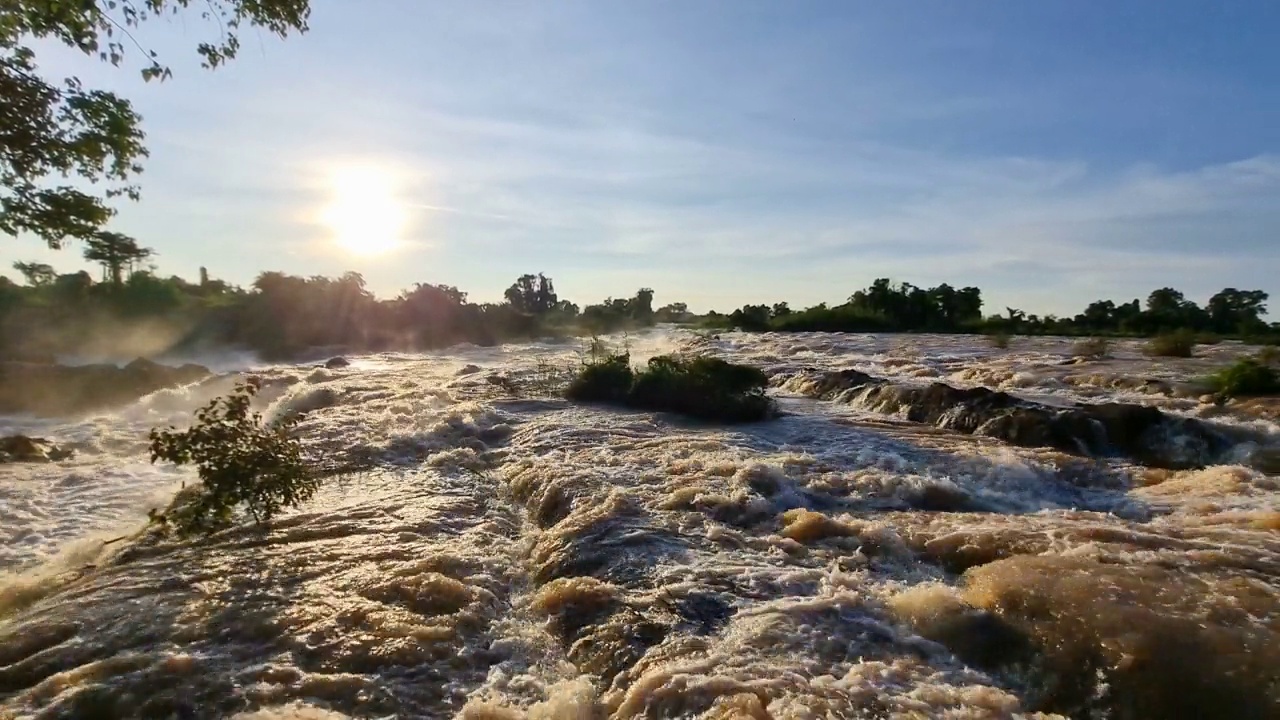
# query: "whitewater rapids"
(485, 550)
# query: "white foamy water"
(495, 552)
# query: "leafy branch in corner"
(55, 131)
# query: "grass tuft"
(1092, 348)
(1179, 344)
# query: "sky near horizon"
(721, 152)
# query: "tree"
(115, 252)
(1166, 302)
(36, 274)
(642, 306)
(532, 294)
(1235, 310)
(52, 131)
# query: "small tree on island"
(242, 461)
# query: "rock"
(51, 390)
(20, 448)
(1266, 460)
(1140, 432)
(468, 370)
(335, 363)
(1157, 387)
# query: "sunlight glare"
(363, 213)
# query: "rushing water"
(500, 554)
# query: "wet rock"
(468, 370)
(1266, 460)
(336, 363)
(704, 613)
(51, 390)
(20, 448)
(944, 498)
(1140, 432)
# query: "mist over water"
(499, 555)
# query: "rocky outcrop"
(51, 390)
(1139, 432)
(20, 448)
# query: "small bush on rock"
(701, 387)
(1179, 344)
(1093, 348)
(242, 461)
(1247, 377)
(999, 340)
(606, 380)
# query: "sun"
(363, 213)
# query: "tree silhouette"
(115, 252)
(532, 294)
(36, 274)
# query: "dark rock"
(337, 362)
(468, 370)
(1140, 432)
(941, 498)
(20, 448)
(51, 390)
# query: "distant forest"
(128, 310)
(886, 307)
(134, 311)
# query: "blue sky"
(1051, 153)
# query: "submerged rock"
(1140, 432)
(20, 448)
(66, 389)
(335, 363)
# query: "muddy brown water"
(514, 556)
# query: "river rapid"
(485, 550)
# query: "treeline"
(131, 311)
(889, 307)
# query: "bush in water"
(1179, 344)
(1245, 378)
(701, 387)
(606, 380)
(241, 461)
(1094, 348)
(998, 340)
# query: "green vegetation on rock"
(243, 463)
(1092, 348)
(706, 388)
(1247, 377)
(1180, 344)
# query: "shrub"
(1269, 356)
(1246, 377)
(606, 380)
(998, 340)
(1179, 344)
(701, 387)
(241, 460)
(1094, 348)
